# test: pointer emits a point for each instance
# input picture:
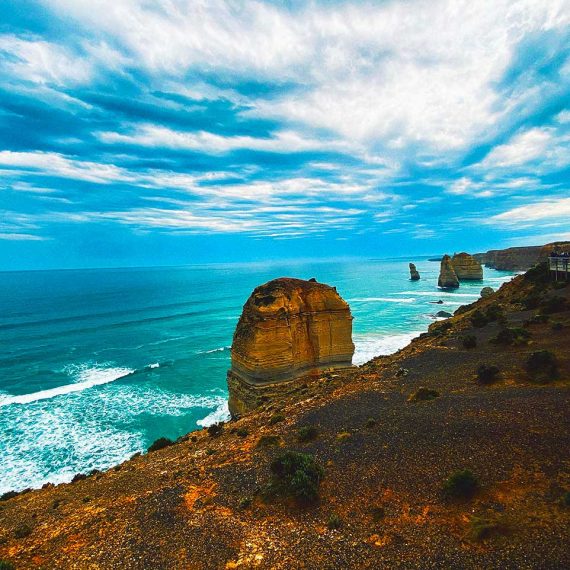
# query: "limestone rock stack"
(288, 329)
(414, 273)
(447, 276)
(467, 268)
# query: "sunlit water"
(97, 364)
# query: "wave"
(381, 299)
(438, 294)
(369, 346)
(219, 349)
(87, 376)
(220, 414)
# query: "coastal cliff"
(518, 258)
(288, 329)
(466, 267)
(451, 453)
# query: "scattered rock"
(487, 292)
(444, 314)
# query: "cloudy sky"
(138, 132)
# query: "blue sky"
(179, 131)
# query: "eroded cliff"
(466, 267)
(289, 328)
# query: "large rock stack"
(414, 273)
(289, 329)
(466, 267)
(447, 276)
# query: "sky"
(165, 132)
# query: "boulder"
(447, 276)
(289, 329)
(467, 268)
(486, 292)
(443, 314)
(414, 274)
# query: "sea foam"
(369, 346)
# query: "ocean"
(97, 364)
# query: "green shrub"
(79, 477)
(245, 503)
(210, 451)
(539, 274)
(22, 531)
(296, 475)
(469, 341)
(334, 522)
(481, 528)
(495, 313)
(268, 440)
(343, 436)
(5, 565)
(487, 374)
(511, 336)
(423, 395)
(460, 485)
(8, 495)
(557, 327)
(542, 365)
(307, 433)
(370, 423)
(377, 513)
(478, 319)
(531, 301)
(276, 418)
(160, 443)
(565, 499)
(242, 432)
(215, 430)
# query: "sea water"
(97, 364)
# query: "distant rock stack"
(414, 274)
(447, 276)
(467, 268)
(288, 329)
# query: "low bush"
(334, 522)
(539, 274)
(531, 301)
(370, 423)
(160, 443)
(565, 499)
(536, 320)
(5, 565)
(487, 374)
(557, 327)
(296, 475)
(307, 433)
(268, 440)
(460, 485)
(495, 313)
(276, 418)
(478, 319)
(79, 477)
(481, 528)
(377, 513)
(469, 341)
(511, 336)
(554, 305)
(215, 430)
(343, 436)
(8, 495)
(542, 366)
(245, 503)
(242, 432)
(210, 451)
(423, 394)
(22, 531)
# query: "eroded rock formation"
(288, 329)
(447, 276)
(414, 273)
(467, 268)
(518, 258)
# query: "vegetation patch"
(481, 528)
(565, 500)
(469, 341)
(343, 436)
(542, 366)
(242, 432)
(487, 374)
(423, 394)
(370, 423)
(460, 485)
(307, 433)
(507, 337)
(22, 531)
(554, 305)
(215, 430)
(268, 440)
(245, 503)
(160, 443)
(5, 565)
(478, 319)
(296, 475)
(334, 522)
(276, 418)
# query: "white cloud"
(521, 149)
(557, 210)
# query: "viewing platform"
(559, 264)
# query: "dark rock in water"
(443, 314)
(447, 276)
(414, 274)
(486, 292)
(440, 302)
(289, 329)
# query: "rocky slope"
(288, 329)
(387, 437)
(518, 258)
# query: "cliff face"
(288, 329)
(467, 268)
(518, 258)
(447, 276)
(414, 273)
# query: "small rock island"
(414, 273)
(289, 329)
(447, 276)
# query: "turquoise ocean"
(97, 364)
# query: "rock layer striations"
(447, 276)
(466, 267)
(288, 329)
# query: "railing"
(560, 265)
